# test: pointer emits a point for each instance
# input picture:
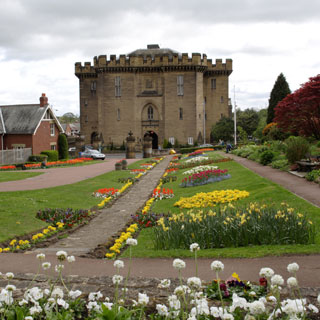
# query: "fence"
(14, 156)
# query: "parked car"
(72, 149)
(206, 145)
(94, 154)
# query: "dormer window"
(47, 116)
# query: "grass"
(14, 176)
(18, 209)
(261, 190)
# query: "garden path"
(110, 220)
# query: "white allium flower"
(46, 265)
(74, 294)
(313, 308)
(194, 247)
(57, 293)
(118, 264)
(9, 275)
(174, 302)
(35, 309)
(28, 318)
(216, 312)
(277, 280)
(59, 267)
(179, 264)
(6, 297)
(41, 256)
(95, 296)
(182, 290)
(143, 299)
(194, 282)
(217, 265)
(108, 305)
(164, 284)
(266, 272)
(162, 310)
(93, 305)
(256, 307)
(201, 308)
(71, 259)
(293, 267)
(10, 287)
(63, 304)
(61, 255)
(131, 242)
(34, 293)
(116, 279)
(23, 302)
(292, 282)
(238, 302)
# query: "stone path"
(111, 220)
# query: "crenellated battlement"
(150, 59)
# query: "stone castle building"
(156, 90)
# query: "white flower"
(118, 264)
(313, 308)
(28, 318)
(292, 282)
(238, 302)
(174, 302)
(95, 296)
(143, 299)
(41, 256)
(227, 316)
(74, 294)
(266, 272)
(61, 255)
(46, 265)
(6, 297)
(108, 305)
(9, 275)
(57, 293)
(23, 302)
(179, 264)
(63, 303)
(164, 284)
(277, 280)
(71, 259)
(272, 299)
(93, 305)
(162, 310)
(59, 267)
(217, 265)
(318, 299)
(131, 242)
(194, 247)
(34, 293)
(182, 290)
(35, 309)
(252, 294)
(256, 307)
(10, 287)
(194, 282)
(293, 267)
(116, 279)
(216, 312)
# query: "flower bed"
(8, 168)
(199, 169)
(205, 177)
(160, 194)
(185, 165)
(229, 226)
(106, 192)
(210, 199)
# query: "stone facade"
(158, 91)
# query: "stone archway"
(154, 137)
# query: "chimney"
(43, 100)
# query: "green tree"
(69, 117)
(63, 146)
(262, 114)
(279, 92)
(248, 120)
(223, 129)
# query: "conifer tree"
(279, 92)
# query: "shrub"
(63, 146)
(280, 164)
(267, 157)
(53, 155)
(313, 175)
(297, 148)
(37, 158)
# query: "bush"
(297, 148)
(37, 158)
(280, 164)
(63, 146)
(313, 175)
(267, 157)
(53, 155)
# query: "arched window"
(150, 113)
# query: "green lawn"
(17, 175)
(18, 209)
(261, 190)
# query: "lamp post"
(204, 120)
(235, 116)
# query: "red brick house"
(32, 126)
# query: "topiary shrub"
(63, 146)
(297, 148)
(280, 164)
(266, 157)
(53, 155)
(313, 175)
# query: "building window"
(213, 83)
(150, 113)
(118, 114)
(47, 116)
(86, 118)
(221, 99)
(221, 115)
(180, 85)
(93, 88)
(53, 147)
(85, 102)
(52, 130)
(117, 86)
(171, 140)
(190, 140)
(180, 113)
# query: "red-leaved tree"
(299, 112)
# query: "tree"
(261, 124)
(69, 117)
(279, 92)
(63, 146)
(223, 129)
(248, 120)
(299, 112)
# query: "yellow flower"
(236, 276)
(0, 250)
(6, 249)
(13, 242)
(110, 255)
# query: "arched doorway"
(154, 137)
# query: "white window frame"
(190, 141)
(171, 140)
(117, 86)
(180, 85)
(53, 146)
(52, 129)
(150, 112)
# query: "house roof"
(153, 50)
(2, 127)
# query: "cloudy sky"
(40, 40)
